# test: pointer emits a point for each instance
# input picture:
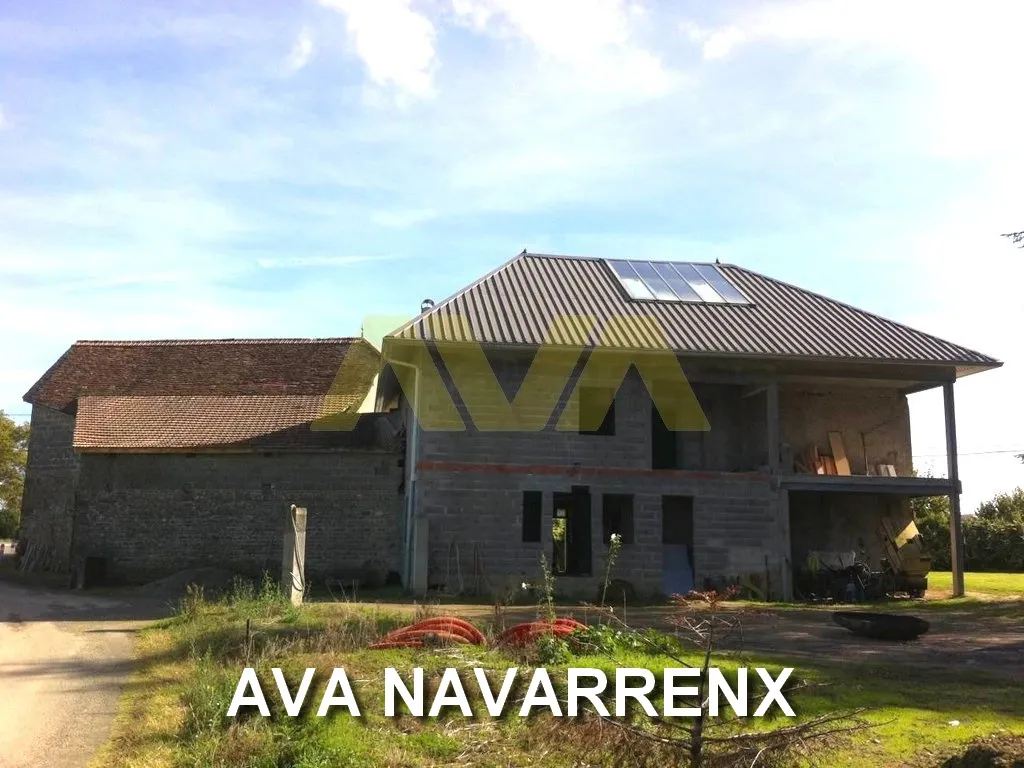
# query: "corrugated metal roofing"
(517, 303)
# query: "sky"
(228, 169)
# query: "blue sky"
(198, 169)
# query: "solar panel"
(676, 281)
(635, 287)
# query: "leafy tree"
(993, 535)
(932, 517)
(1004, 507)
(13, 454)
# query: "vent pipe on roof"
(425, 305)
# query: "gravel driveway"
(64, 658)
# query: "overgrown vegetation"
(13, 455)
(993, 536)
(174, 713)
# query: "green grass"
(991, 585)
(173, 713)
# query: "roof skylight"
(676, 281)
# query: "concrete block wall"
(629, 447)
(874, 422)
(741, 525)
(153, 514)
(50, 480)
(736, 519)
(737, 440)
(736, 525)
(844, 522)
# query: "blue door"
(676, 569)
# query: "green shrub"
(993, 536)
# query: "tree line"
(993, 535)
(13, 455)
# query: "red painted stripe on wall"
(579, 471)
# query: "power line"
(969, 453)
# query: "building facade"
(162, 456)
(782, 377)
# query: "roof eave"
(961, 367)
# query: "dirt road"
(64, 658)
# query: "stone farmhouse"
(724, 424)
(163, 455)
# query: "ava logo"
(438, 360)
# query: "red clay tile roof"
(182, 422)
(220, 367)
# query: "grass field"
(990, 585)
(174, 711)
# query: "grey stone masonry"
(51, 475)
(152, 514)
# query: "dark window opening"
(617, 517)
(677, 520)
(532, 507)
(592, 419)
(664, 442)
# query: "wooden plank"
(830, 465)
(835, 439)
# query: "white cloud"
(593, 40)
(395, 42)
(4, 123)
(971, 57)
(301, 53)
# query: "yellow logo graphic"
(469, 375)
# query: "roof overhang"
(908, 376)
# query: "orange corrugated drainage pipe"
(446, 629)
(521, 634)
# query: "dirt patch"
(992, 752)
(214, 581)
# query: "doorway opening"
(677, 573)
(570, 533)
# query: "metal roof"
(517, 303)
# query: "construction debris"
(811, 462)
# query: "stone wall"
(153, 514)
(50, 479)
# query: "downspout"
(413, 475)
